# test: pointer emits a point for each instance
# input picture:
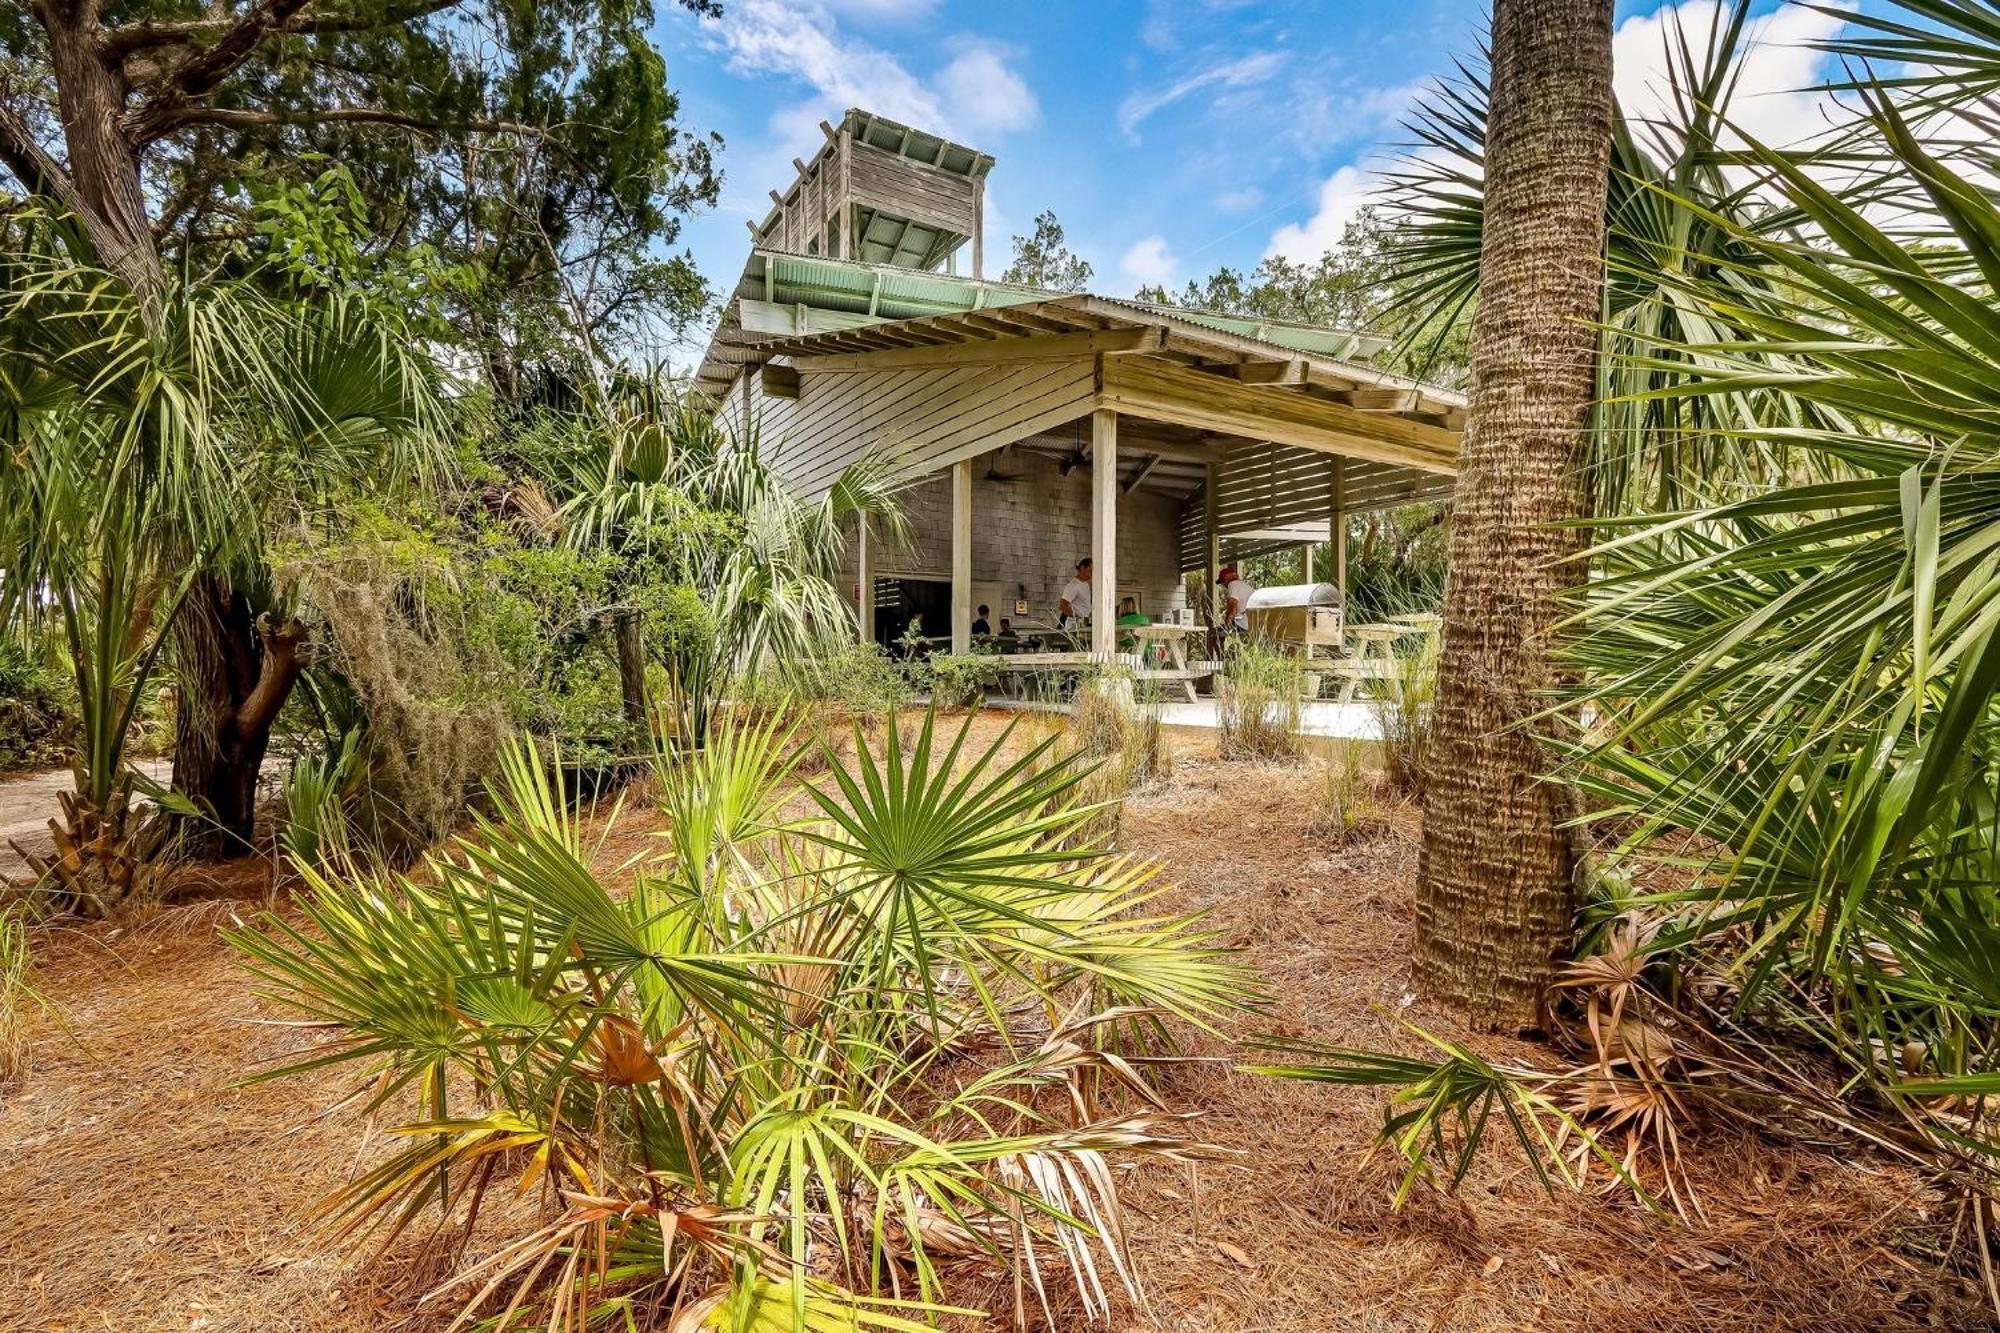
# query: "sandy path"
(29, 800)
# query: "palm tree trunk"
(1495, 878)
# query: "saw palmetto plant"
(813, 1070)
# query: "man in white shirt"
(1075, 604)
(1236, 595)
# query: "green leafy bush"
(37, 710)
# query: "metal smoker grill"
(1303, 616)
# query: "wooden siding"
(928, 419)
(906, 189)
(1263, 486)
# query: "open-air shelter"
(1040, 425)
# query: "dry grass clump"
(17, 993)
(1127, 743)
(1346, 806)
(1258, 697)
(1403, 716)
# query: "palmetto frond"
(1798, 690)
(1675, 213)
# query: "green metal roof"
(897, 293)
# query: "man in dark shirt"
(979, 624)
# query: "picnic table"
(1373, 654)
(1173, 641)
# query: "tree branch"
(117, 44)
(203, 72)
(183, 116)
(287, 648)
(32, 165)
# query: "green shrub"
(957, 680)
(37, 710)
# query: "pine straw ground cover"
(143, 1191)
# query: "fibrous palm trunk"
(1496, 885)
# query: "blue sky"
(1170, 136)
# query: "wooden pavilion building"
(1043, 426)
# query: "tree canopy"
(531, 146)
(1043, 259)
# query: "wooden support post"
(865, 581)
(961, 556)
(1211, 535)
(849, 243)
(1103, 532)
(1337, 533)
(979, 229)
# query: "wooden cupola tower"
(882, 193)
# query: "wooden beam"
(780, 381)
(1147, 388)
(1211, 533)
(1380, 400)
(979, 228)
(1337, 529)
(961, 556)
(985, 351)
(774, 319)
(1103, 532)
(1145, 471)
(1285, 373)
(865, 582)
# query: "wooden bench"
(1028, 664)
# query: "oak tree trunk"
(236, 671)
(1496, 888)
(631, 665)
(103, 177)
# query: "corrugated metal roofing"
(884, 293)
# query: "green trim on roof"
(888, 292)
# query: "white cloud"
(1149, 261)
(1775, 100)
(898, 11)
(1242, 72)
(982, 95)
(1342, 195)
(1239, 201)
(801, 40)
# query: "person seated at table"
(980, 625)
(1006, 628)
(1128, 616)
(1236, 598)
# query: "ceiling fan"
(993, 472)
